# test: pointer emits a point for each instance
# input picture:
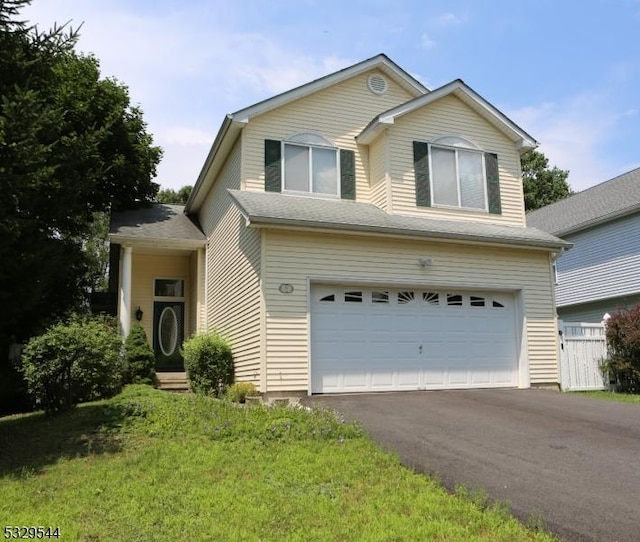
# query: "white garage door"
(383, 339)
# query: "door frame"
(164, 300)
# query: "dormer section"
(448, 154)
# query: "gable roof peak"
(379, 61)
(470, 97)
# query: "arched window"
(310, 165)
(458, 173)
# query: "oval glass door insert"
(168, 331)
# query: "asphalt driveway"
(572, 460)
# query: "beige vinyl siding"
(147, 267)
(196, 294)
(450, 116)
(338, 113)
(233, 272)
(378, 173)
(299, 257)
(216, 202)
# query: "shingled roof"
(159, 222)
(267, 208)
(611, 199)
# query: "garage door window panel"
(406, 297)
(379, 297)
(432, 298)
(353, 297)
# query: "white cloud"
(185, 136)
(426, 42)
(573, 134)
(181, 164)
(448, 19)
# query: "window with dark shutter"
(493, 183)
(347, 174)
(272, 165)
(421, 167)
(453, 172)
(307, 163)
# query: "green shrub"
(239, 392)
(139, 359)
(73, 362)
(623, 341)
(209, 363)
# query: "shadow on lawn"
(29, 443)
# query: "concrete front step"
(175, 381)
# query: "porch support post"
(200, 288)
(124, 306)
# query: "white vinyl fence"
(582, 349)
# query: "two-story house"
(601, 274)
(357, 233)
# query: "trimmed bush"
(239, 392)
(139, 359)
(73, 362)
(209, 363)
(623, 341)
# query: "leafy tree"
(71, 149)
(168, 195)
(542, 185)
(73, 362)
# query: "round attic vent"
(377, 84)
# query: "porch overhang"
(150, 243)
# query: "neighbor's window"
(310, 165)
(457, 174)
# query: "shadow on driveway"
(573, 460)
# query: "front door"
(168, 323)
(168, 334)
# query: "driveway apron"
(574, 461)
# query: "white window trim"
(459, 192)
(310, 192)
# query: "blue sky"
(566, 72)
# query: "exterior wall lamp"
(139, 314)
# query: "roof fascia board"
(176, 244)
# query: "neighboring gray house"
(601, 273)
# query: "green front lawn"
(148, 465)
(612, 396)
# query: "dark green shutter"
(421, 168)
(347, 174)
(272, 166)
(493, 183)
